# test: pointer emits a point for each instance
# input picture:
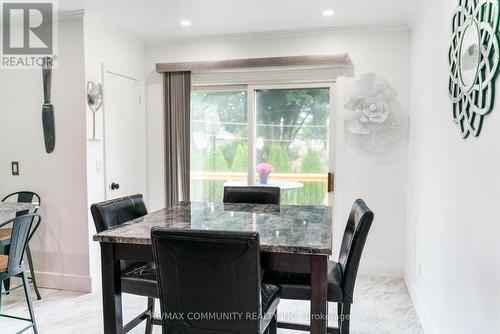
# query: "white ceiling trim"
(399, 26)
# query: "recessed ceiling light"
(185, 23)
(328, 12)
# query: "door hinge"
(331, 182)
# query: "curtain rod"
(336, 60)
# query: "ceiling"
(160, 19)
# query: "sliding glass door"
(219, 141)
(261, 135)
(292, 140)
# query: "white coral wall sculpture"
(375, 125)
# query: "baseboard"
(60, 281)
(422, 310)
(382, 269)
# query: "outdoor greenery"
(314, 191)
(291, 136)
(279, 159)
(284, 115)
(240, 161)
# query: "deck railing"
(313, 192)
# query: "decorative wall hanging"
(94, 100)
(376, 126)
(473, 62)
(49, 129)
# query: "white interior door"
(125, 136)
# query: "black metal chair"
(252, 195)
(12, 265)
(210, 282)
(138, 278)
(341, 275)
(20, 197)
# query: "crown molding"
(71, 15)
(398, 26)
(94, 19)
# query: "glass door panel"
(292, 142)
(219, 142)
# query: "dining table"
(293, 239)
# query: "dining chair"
(137, 277)
(341, 275)
(5, 233)
(12, 265)
(210, 282)
(252, 195)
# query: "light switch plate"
(15, 168)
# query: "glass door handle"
(331, 182)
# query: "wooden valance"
(317, 60)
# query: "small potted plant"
(264, 169)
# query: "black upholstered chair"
(212, 273)
(138, 278)
(12, 265)
(20, 197)
(252, 195)
(341, 275)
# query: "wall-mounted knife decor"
(49, 131)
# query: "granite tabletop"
(9, 208)
(284, 229)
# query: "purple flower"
(264, 167)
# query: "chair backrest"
(252, 195)
(23, 197)
(353, 242)
(208, 273)
(21, 227)
(117, 211)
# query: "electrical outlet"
(15, 168)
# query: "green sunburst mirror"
(473, 63)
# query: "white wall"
(71, 178)
(111, 49)
(384, 50)
(60, 246)
(454, 190)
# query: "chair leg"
(6, 282)
(1, 289)
(32, 271)
(273, 325)
(344, 314)
(6, 285)
(27, 293)
(149, 320)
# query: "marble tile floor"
(382, 306)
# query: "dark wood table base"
(315, 265)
